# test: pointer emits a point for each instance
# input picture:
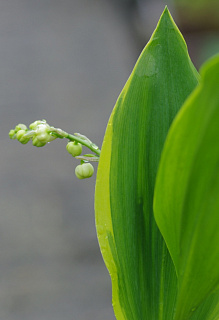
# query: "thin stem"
(77, 138)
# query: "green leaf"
(142, 272)
(186, 200)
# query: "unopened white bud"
(84, 171)
(34, 124)
(42, 132)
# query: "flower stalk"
(41, 133)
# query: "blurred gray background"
(65, 61)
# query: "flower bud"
(33, 125)
(37, 143)
(20, 136)
(43, 137)
(12, 134)
(84, 170)
(42, 132)
(20, 126)
(74, 148)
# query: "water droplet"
(150, 68)
(94, 146)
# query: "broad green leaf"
(143, 277)
(186, 200)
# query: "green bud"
(37, 143)
(51, 137)
(84, 170)
(33, 125)
(20, 126)
(12, 134)
(43, 137)
(20, 136)
(74, 148)
(43, 133)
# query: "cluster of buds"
(18, 133)
(40, 132)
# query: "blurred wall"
(65, 61)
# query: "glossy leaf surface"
(186, 201)
(135, 254)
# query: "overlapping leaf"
(187, 198)
(143, 276)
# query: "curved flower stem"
(77, 137)
(41, 133)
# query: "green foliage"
(143, 277)
(187, 197)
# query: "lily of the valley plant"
(157, 185)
